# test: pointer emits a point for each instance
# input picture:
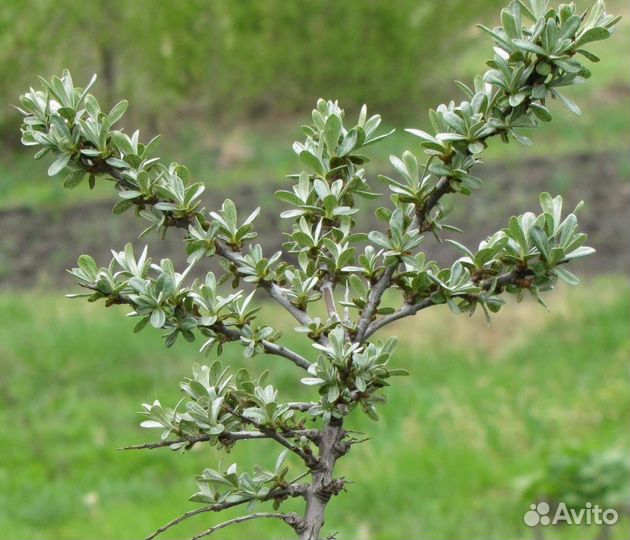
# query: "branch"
(510, 278)
(441, 188)
(289, 491)
(310, 434)
(278, 294)
(405, 311)
(374, 300)
(223, 250)
(270, 348)
(233, 334)
(301, 406)
(275, 291)
(421, 220)
(279, 350)
(292, 519)
(308, 459)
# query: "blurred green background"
(228, 84)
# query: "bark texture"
(323, 486)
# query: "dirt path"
(36, 246)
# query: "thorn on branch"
(354, 441)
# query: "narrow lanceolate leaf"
(539, 238)
(566, 275)
(58, 165)
(332, 131)
(582, 251)
(567, 103)
(117, 112)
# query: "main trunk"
(323, 486)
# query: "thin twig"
(308, 459)
(231, 436)
(405, 311)
(359, 441)
(300, 405)
(270, 348)
(373, 301)
(496, 283)
(191, 513)
(290, 519)
(289, 491)
(421, 220)
(233, 334)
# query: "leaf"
(289, 197)
(476, 147)
(151, 424)
(501, 40)
(422, 134)
(509, 24)
(460, 247)
(567, 103)
(570, 66)
(593, 34)
(117, 112)
(140, 324)
(117, 163)
(378, 138)
(311, 160)
(158, 318)
(411, 164)
(582, 251)
(332, 130)
(528, 46)
(88, 264)
(454, 122)
(589, 55)
(516, 232)
(348, 143)
(312, 381)
(281, 459)
(541, 112)
(566, 276)
(539, 238)
(122, 206)
(516, 99)
(526, 141)
(74, 179)
(379, 239)
(122, 142)
(58, 165)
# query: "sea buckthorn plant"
(330, 277)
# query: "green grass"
(482, 407)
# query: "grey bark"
(323, 486)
